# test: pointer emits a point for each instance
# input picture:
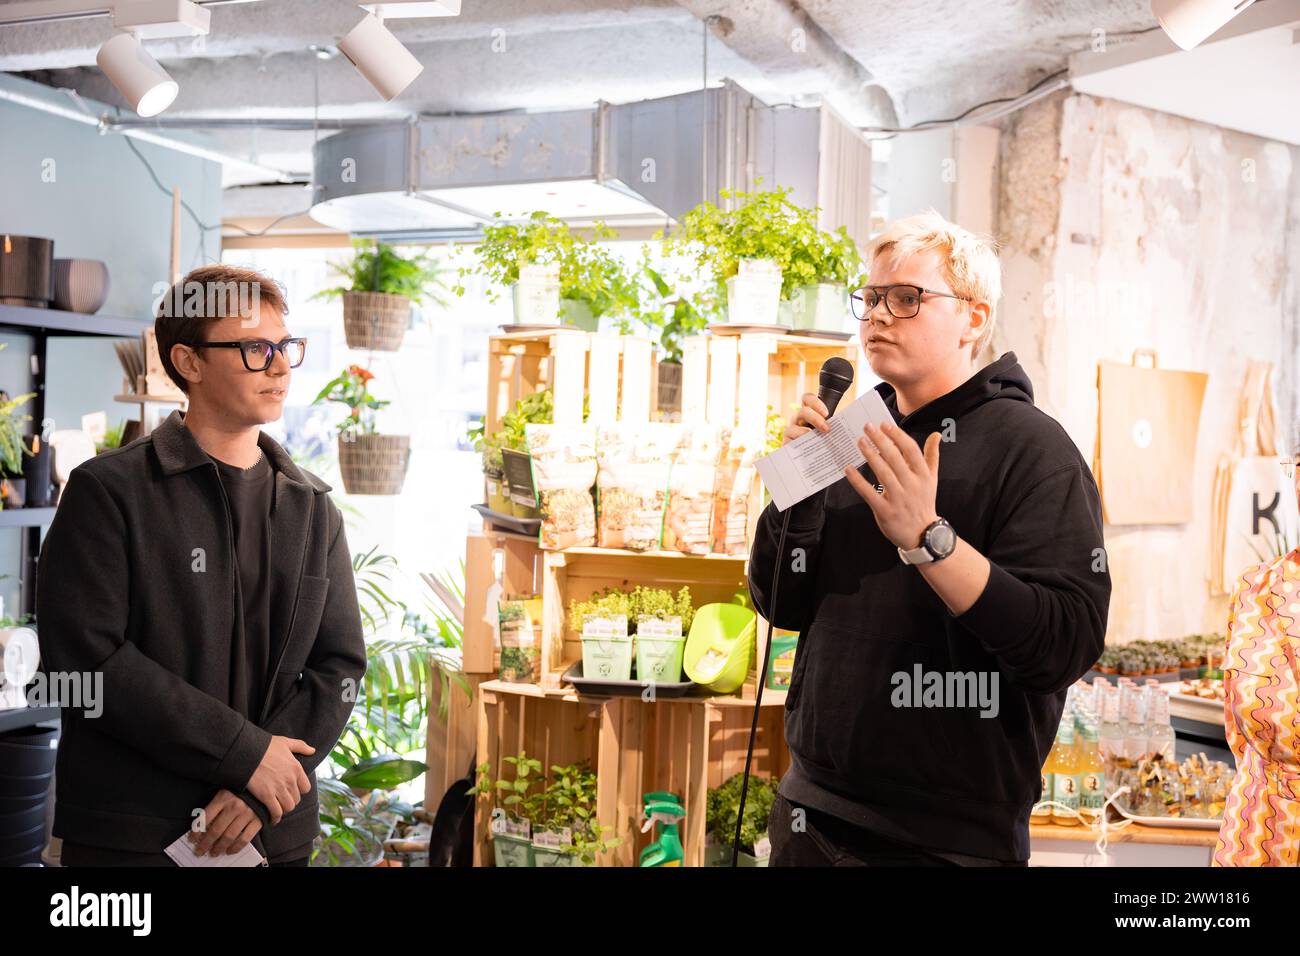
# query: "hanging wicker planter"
(374, 464)
(375, 321)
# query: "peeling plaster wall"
(1123, 229)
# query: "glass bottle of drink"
(1160, 736)
(1040, 812)
(1092, 776)
(1065, 781)
(1110, 737)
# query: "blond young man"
(947, 593)
(205, 579)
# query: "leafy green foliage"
(12, 447)
(566, 799)
(724, 808)
(112, 438)
(588, 272)
(763, 225)
(377, 267)
(351, 388)
(653, 602)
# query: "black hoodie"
(1015, 487)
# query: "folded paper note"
(817, 460)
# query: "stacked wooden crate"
(636, 746)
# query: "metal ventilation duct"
(444, 177)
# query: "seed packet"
(564, 470)
(632, 483)
(731, 491)
(521, 639)
(688, 527)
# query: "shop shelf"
(686, 745)
(26, 517)
(57, 322)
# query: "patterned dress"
(1261, 822)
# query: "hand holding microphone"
(835, 378)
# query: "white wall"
(1125, 228)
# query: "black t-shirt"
(251, 493)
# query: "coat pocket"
(305, 624)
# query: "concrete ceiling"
(878, 62)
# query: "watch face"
(941, 539)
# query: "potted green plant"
(381, 287)
(745, 249)
(535, 409)
(568, 834)
(520, 804)
(12, 444)
(720, 822)
(823, 267)
(371, 463)
(555, 275)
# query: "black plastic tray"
(630, 688)
(529, 526)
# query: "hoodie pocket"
(854, 716)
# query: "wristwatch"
(937, 542)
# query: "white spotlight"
(1188, 22)
(380, 57)
(137, 75)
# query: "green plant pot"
(659, 659)
(578, 314)
(821, 306)
(524, 511)
(512, 850)
(547, 857)
(497, 500)
(607, 658)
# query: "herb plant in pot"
(13, 448)
(535, 409)
(823, 268)
(381, 287)
(720, 822)
(371, 463)
(518, 806)
(746, 249)
(555, 275)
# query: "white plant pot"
(754, 293)
(821, 306)
(537, 295)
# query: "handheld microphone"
(835, 378)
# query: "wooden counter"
(1132, 833)
(1132, 845)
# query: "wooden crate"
(635, 746)
(731, 380)
(616, 372)
(519, 577)
(578, 573)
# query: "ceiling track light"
(1189, 22)
(380, 57)
(144, 84)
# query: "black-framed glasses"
(901, 301)
(259, 353)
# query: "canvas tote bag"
(1146, 441)
(1254, 509)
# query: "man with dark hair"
(205, 579)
